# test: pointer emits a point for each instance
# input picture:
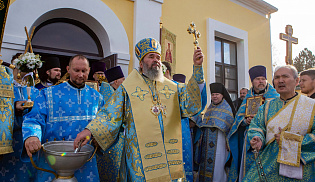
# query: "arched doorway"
(63, 38)
(97, 16)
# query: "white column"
(147, 15)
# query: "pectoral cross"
(192, 30)
(29, 38)
(289, 39)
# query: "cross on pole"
(289, 40)
(29, 38)
(192, 30)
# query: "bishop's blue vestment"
(118, 111)
(61, 112)
(108, 162)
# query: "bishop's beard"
(155, 74)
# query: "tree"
(304, 60)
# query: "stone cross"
(29, 38)
(289, 39)
(192, 30)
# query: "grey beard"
(260, 89)
(153, 74)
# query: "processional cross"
(29, 46)
(29, 38)
(192, 30)
(289, 40)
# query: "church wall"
(177, 15)
(96, 14)
(124, 10)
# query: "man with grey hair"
(307, 82)
(237, 137)
(284, 126)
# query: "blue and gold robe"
(105, 128)
(108, 162)
(269, 151)
(15, 169)
(61, 112)
(7, 121)
(217, 120)
(106, 91)
(6, 110)
(187, 140)
(237, 135)
(41, 85)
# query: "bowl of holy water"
(61, 157)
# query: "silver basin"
(61, 157)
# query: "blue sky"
(298, 13)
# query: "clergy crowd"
(154, 125)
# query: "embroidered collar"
(288, 100)
(74, 85)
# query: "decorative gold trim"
(257, 129)
(281, 110)
(171, 131)
(292, 137)
(6, 150)
(273, 138)
(4, 22)
(65, 177)
(311, 120)
(64, 78)
(312, 136)
(6, 93)
(293, 112)
(93, 84)
(28, 104)
(267, 104)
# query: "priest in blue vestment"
(115, 76)
(50, 73)
(187, 139)
(215, 127)
(98, 73)
(108, 162)
(151, 108)
(237, 136)
(13, 169)
(61, 112)
(283, 132)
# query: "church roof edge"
(259, 6)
